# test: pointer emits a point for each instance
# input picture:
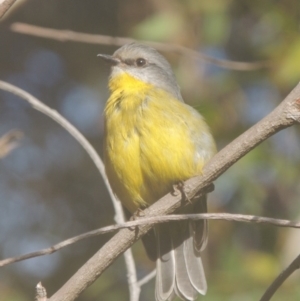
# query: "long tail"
(179, 266)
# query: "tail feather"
(179, 266)
(200, 227)
(165, 264)
(194, 265)
(184, 287)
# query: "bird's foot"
(180, 188)
(139, 213)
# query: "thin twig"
(134, 288)
(152, 221)
(39, 106)
(285, 115)
(147, 278)
(9, 141)
(119, 216)
(295, 265)
(5, 5)
(41, 293)
(67, 35)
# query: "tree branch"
(9, 141)
(134, 288)
(5, 5)
(67, 35)
(147, 278)
(285, 115)
(119, 216)
(41, 107)
(153, 220)
(295, 265)
(41, 293)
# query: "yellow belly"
(151, 142)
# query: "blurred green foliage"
(242, 259)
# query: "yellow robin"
(154, 140)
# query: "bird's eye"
(140, 62)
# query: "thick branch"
(67, 35)
(5, 5)
(285, 115)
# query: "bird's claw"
(180, 188)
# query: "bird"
(153, 141)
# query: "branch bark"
(119, 216)
(153, 221)
(5, 5)
(68, 35)
(285, 115)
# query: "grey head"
(146, 64)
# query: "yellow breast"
(152, 141)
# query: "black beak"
(109, 59)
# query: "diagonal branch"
(153, 220)
(5, 5)
(54, 115)
(295, 265)
(285, 115)
(68, 35)
(119, 216)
